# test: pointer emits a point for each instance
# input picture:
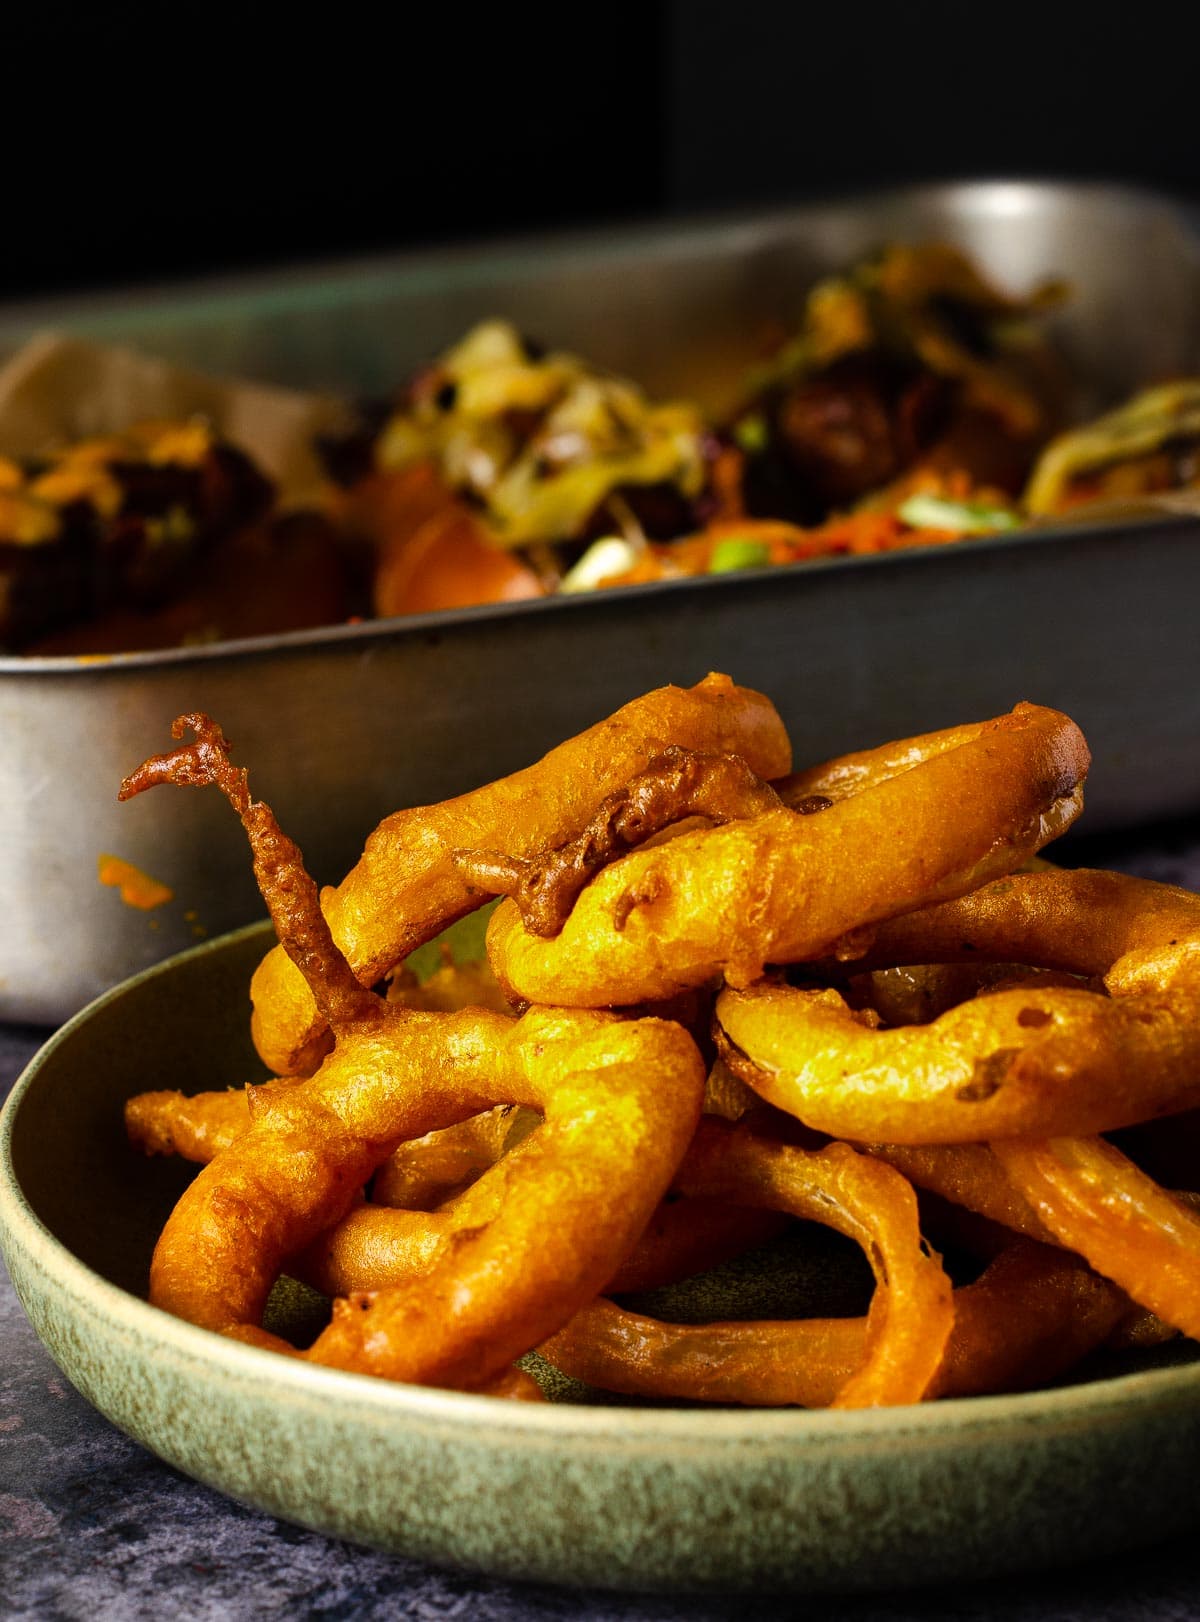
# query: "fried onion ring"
(844, 776)
(1129, 931)
(620, 1100)
(399, 1235)
(418, 1175)
(1032, 1315)
(1097, 1202)
(732, 1180)
(912, 1312)
(1036, 1060)
(1014, 1064)
(967, 1175)
(430, 1170)
(374, 1248)
(196, 1127)
(784, 887)
(405, 887)
(600, 1169)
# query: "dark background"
(141, 145)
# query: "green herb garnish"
(738, 552)
(972, 517)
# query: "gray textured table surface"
(91, 1525)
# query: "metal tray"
(341, 726)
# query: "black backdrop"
(771, 99)
(144, 144)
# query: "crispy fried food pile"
(722, 1001)
(905, 408)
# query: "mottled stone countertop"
(93, 1526)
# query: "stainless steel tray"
(341, 726)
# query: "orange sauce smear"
(137, 889)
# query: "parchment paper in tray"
(59, 388)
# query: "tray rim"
(366, 633)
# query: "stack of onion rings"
(889, 998)
(406, 888)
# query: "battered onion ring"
(589, 1181)
(1133, 932)
(374, 1248)
(405, 886)
(1016, 1064)
(835, 1186)
(196, 1127)
(847, 775)
(784, 887)
(429, 1170)
(418, 1175)
(912, 1311)
(406, 1253)
(968, 1175)
(399, 1235)
(1032, 1061)
(1032, 1314)
(620, 1101)
(1098, 1203)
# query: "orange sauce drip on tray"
(137, 889)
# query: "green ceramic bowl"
(603, 1495)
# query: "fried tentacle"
(198, 764)
(287, 888)
(678, 783)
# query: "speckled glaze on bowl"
(618, 1496)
